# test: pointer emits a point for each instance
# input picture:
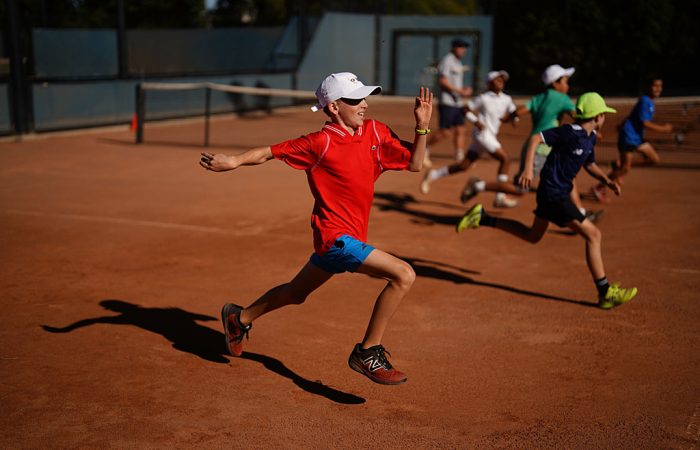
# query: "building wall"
(364, 44)
(77, 80)
(342, 43)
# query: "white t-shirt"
(451, 68)
(489, 108)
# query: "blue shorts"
(450, 116)
(346, 255)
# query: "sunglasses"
(352, 101)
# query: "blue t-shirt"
(632, 131)
(572, 148)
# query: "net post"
(207, 113)
(140, 107)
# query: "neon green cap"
(590, 105)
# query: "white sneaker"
(425, 184)
(505, 202)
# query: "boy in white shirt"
(486, 111)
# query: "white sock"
(502, 177)
(439, 173)
(500, 195)
(480, 186)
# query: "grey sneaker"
(469, 191)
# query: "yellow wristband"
(423, 132)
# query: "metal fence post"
(140, 112)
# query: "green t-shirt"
(545, 109)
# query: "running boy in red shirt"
(342, 162)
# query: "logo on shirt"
(374, 147)
(578, 152)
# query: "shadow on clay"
(447, 272)
(181, 328)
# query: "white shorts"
(484, 141)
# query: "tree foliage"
(103, 13)
(614, 45)
(277, 12)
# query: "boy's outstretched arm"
(598, 174)
(527, 175)
(221, 163)
(659, 128)
(422, 111)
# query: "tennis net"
(158, 101)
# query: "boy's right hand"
(218, 162)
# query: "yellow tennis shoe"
(616, 296)
(471, 218)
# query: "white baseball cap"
(554, 72)
(342, 85)
(495, 74)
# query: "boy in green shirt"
(547, 109)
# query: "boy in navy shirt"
(572, 148)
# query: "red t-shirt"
(341, 170)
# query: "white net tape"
(253, 90)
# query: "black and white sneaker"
(373, 364)
(233, 328)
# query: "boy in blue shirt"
(631, 136)
(572, 148)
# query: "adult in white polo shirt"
(486, 111)
(452, 91)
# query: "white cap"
(342, 85)
(554, 72)
(495, 74)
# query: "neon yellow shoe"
(616, 296)
(471, 218)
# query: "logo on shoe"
(373, 364)
(578, 152)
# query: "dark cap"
(459, 42)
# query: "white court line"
(143, 223)
(677, 270)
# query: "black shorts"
(450, 116)
(560, 212)
(626, 148)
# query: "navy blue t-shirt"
(572, 148)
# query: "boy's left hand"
(423, 108)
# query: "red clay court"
(118, 257)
